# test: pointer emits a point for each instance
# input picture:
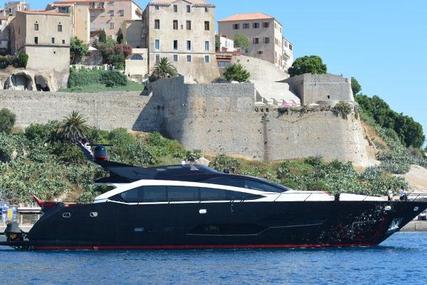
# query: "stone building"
(265, 35)
(80, 17)
(107, 15)
(45, 37)
(184, 32)
(6, 15)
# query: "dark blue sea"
(400, 260)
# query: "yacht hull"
(115, 226)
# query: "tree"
(73, 128)
(241, 41)
(102, 37)
(163, 69)
(237, 72)
(78, 49)
(217, 42)
(120, 36)
(308, 64)
(7, 120)
(355, 86)
(21, 60)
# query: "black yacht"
(193, 207)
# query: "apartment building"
(184, 32)
(264, 33)
(11, 7)
(107, 15)
(45, 37)
(80, 17)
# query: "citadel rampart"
(215, 118)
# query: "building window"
(290, 47)
(111, 26)
(188, 9)
(266, 24)
(111, 12)
(157, 24)
(59, 27)
(207, 58)
(157, 7)
(255, 25)
(63, 42)
(175, 45)
(188, 45)
(175, 24)
(188, 58)
(36, 40)
(207, 45)
(266, 40)
(236, 26)
(122, 13)
(260, 52)
(53, 40)
(175, 8)
(36, 26)
(206, 9)
(175, 57)
(157, 58)
(246, 26)
(188, 25)
(256, 41)
(276, 41)
(157, 44)
(207, 26)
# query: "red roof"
(247, 17)
(42, 12)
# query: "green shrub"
(342, 109)
(7, 120)
(223, 162)
(308, 64)
(113, 78)
(83, 77)
(21, 60)
(236, 72)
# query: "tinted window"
(223, 195)
(176, 194)
(247, 183)
(227, 180)
(154, 194)
(145, 194)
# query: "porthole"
(93, 214)
(66, 215)
(416, 209)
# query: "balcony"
(96, 6)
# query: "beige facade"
(184, 32)
(107, 15)
(136, 66)
(45, 37)
(80, 17)
(264, 33)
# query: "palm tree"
(72, 128)
(164, 69)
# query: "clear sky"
(383, 43)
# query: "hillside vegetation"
(40, 160)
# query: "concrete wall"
(221, 118)
(313, 88)
(214, 118)
(105, 111)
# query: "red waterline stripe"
(183, 247)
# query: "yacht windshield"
(247, 182)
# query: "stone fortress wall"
(215, 118)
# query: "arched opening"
(41, 83)
(19, 81)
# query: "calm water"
(400, 260)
